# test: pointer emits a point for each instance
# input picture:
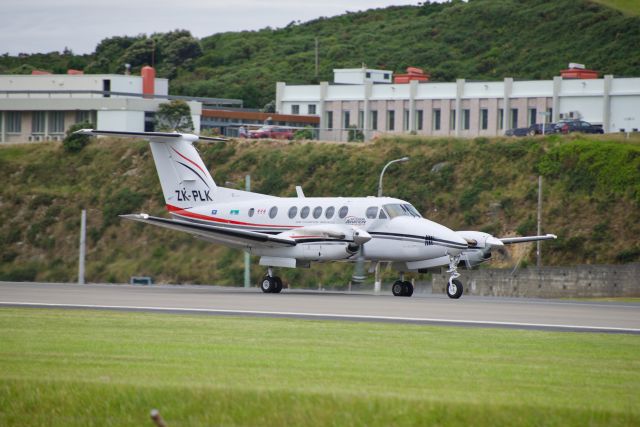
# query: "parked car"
(274, 132)
(532, 130)
(568, 126)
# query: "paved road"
(426, 309)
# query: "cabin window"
(273, 212)
(372, 212)
(293, 210)
(343, 212)
(304, 212)
(330, 212)
(317, 211)
(251, 212)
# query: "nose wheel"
(454, 287)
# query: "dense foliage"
(478, 39)
(490, 185)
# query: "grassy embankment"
(630, 7)
(79, 368)
(591, 200)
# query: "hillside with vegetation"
(591, 201)
(476, 40)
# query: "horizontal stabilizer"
(215, 234)
(151, 136)
(510, 240)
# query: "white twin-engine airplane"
(295, 231)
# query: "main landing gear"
(454, 287)
(271, 284)
(402, 288)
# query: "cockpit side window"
(382, 214)
(397, 209)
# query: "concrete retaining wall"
(549, 282)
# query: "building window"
(452, 120)
(549, 117)
(295, 109)
(311, 109)
(419, 119)
(514, 118)
(387, 76)
(501, 118)
(466, 119)
(360, 119)
(346, 119)
(368, 74)
(56, 122)
(484, 119)
(436, 119)
(329, 119)
(374, 120)
(533, 112)
(37, 121)
(405, 120)
(14, 122)
(106, 88)
(85, 117)
(391, 120)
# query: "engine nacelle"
(480, 247)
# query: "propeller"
(360, 237)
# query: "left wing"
(223, 235)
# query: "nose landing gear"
(454, 287)
(271, 284)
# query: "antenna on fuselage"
(299, 192)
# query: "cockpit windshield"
(397, 209)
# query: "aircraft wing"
(211, 233)
(510, 240)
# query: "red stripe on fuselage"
(180, 211)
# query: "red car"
(273, 132)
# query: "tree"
(174, 116)
(72, 142)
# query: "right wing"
(510, 240)
(211, 233)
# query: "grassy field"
(81, 368)
(630, 7)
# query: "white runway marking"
(332, 316)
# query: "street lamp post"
(377, 285)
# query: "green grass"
(631, 7)
(68, 368)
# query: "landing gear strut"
(402, 288)
(454, 287)
(271, 284)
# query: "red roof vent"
(578, 71)
(39, 73)
(73, 72)
(413, 73)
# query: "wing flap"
(212, 233)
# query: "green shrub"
(73, 142)
(123, 202)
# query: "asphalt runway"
(420, 309)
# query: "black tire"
(267, 285)
(398, 288)
(454, 289)
(532, 132)
(408, 289)
(278, 286)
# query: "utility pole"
(83, 239)
(247, 258)
(538, 253)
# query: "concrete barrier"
(549, 282)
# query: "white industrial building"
(42, 107)
(462, 108)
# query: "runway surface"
(420, 309)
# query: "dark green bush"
(73, 142)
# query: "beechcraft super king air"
(296, 231)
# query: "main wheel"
(398, 289)
(278, 287)
(408, 289)
(454, 289)
(268, 285)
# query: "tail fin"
(184, 178)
